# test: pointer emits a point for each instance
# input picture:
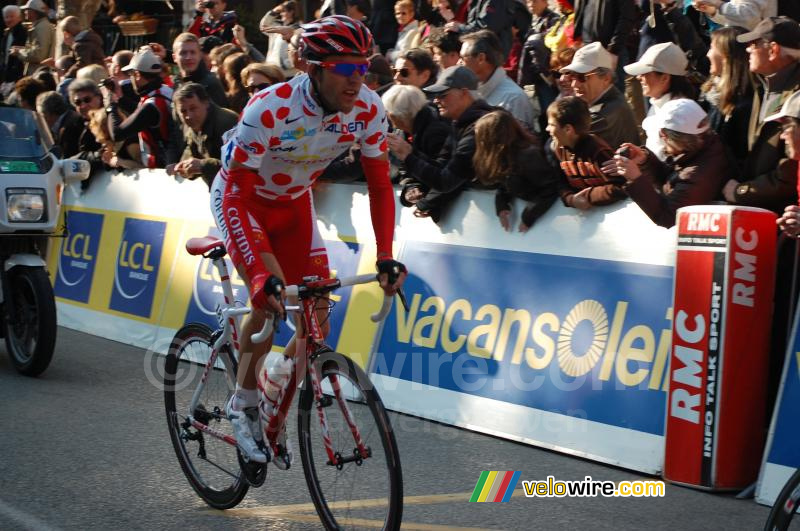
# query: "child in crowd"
(581, 155)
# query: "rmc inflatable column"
(724, 283)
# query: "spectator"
(186, 54)
(128, 100)
(610, 23)
(232, 74)
(744, 13)
(64, 122)
(41, 36)
(27, 89)
(534, 66)
(379, 76)
(206, 45)
(581, 156)
(445, 47)
(258, 76)
(789, 119)
(408, 35)
(212, 19)
(768, 179)
(591, 75)
(456, 93)
(217, 56)
(124, 155)
(278, 50)
(669, 23)
(203, 123)
(85, 43)
(563, 81)
(661, 71)
(496, 16)
(561, 35)
(692, 175)
(415, 67)
(507, 157)
(729, 92)
(383, 24)
(152, 120)
(85, 96)
(480, 52)
(295, 45)
(358, 10)
(47, 77)
(14, 34)
(409, 111)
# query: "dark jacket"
(675, 26)
(68, 134)
(688, 179)
(87, 50)
(207, 145)
(607, 21)
(202, 26)
(495, 15)
(769, 179)
(580, 169)
(452, 169)
(210, 82)
(383, 24)
(11, 67)
(535, 57)
(429, 133)
(533, 180)
(613, 120)
(732, 130)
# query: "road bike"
(347, 445)
(785, 505)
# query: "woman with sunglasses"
(258, 76)
(261, 198)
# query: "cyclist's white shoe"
(241, 421)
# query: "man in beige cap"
(591, 75)
(41, 37)
(661, 71)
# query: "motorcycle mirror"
(75, 170)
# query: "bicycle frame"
(308, 343)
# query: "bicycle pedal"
(254, 473)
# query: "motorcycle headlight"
(25, 204)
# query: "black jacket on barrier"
(428, 136)
(533, 180)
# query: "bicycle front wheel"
(785, 506)
(366, 492)
(210, 464)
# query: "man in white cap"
(661, 71)
(591, 75)
(152, 120)
(41, 37)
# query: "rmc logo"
(136, 266)
(78, 256)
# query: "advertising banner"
(720, 341)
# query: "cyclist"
(261, 198)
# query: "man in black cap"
(769, 179)
(456, 94)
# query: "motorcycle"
(32, 180)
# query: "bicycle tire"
(357, 484)
(221, 488)
(785, 505)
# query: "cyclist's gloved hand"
(391, 275)
(266, 293)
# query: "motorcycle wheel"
(30, 333)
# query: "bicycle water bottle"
(272, 383)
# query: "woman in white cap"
(662, 73)
(693, 172)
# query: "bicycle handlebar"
(293, 291)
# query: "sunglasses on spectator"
(343, 69)
(79, 101)
(252, 89)
(402, 72)
(581, 78)
(788, 126)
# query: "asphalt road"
(85, 446)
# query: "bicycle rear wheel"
(353, 494)
(210, 465)
(785, 505)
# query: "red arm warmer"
(381, 203)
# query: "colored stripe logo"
(494, 486)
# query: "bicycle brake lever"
(402, 299)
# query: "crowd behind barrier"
(670, 103)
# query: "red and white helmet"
(335, 35)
